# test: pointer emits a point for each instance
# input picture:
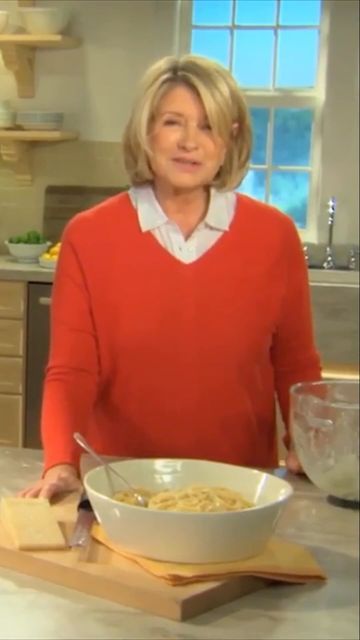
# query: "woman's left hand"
(292, 463)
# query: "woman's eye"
(171, 122)
(207, 126)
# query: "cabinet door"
(11, 375)
(11, 337)
(12, 299)
(11, 421)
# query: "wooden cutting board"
(104, 574)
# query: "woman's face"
(186, 154)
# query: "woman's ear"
(234, 129)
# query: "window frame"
(287, 98)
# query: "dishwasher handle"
(44, 301)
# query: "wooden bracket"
(15, 148)
(16, 153)
(19, 59)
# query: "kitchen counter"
(31, 608)
(30, 272)
(330, 278)
(12, 270)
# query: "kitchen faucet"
(329, 262)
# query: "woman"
(180, 309)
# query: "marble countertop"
(31, 608)
(31, 272)
(12, 270)
(322, 277)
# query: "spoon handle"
(108, 468)
(85, 445)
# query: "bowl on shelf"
(48, 259)
(187, 536)
(4, 19)
(40, 120)
(27, 247)
(43, 20)
(47, 264)
(324, 420)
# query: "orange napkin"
(281, 561)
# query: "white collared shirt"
(152, 218)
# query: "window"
(272, 47)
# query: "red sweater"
(151, 357)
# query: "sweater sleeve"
(294, 355)
(72, 372)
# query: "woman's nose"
(188, 138)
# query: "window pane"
(255, 12)
(289, 191)
(253, 57)
(304, 13)
(297, 58)
(254, 184)
(210, 12)
(260, 123)
(292, 137)
(212, 43)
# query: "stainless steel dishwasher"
(37, 349)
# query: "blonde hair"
(224, 105)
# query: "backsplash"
(93, 164)
(62, 202)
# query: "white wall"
(94, 84)
(340, 130)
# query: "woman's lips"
(186, 164)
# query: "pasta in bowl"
(192, 499)
(198, 511)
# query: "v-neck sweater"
(152, 357)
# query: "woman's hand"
(59, 479)
(292, 463)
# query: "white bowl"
(43, 20)
(188, 537)
(4, 19)
(47, 264)
(24, 252)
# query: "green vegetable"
(30, 237)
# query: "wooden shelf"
(15, 146)
(33, 135)
(18, 52)
(51, 41)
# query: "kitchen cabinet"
(11, 374)
(11, 420)
(12, 299)
(12, 330)
(11, 337)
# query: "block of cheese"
(31, 523)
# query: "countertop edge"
(12, 270)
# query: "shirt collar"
(151, 216)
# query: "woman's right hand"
(59, 479)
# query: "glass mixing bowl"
(324, 420)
